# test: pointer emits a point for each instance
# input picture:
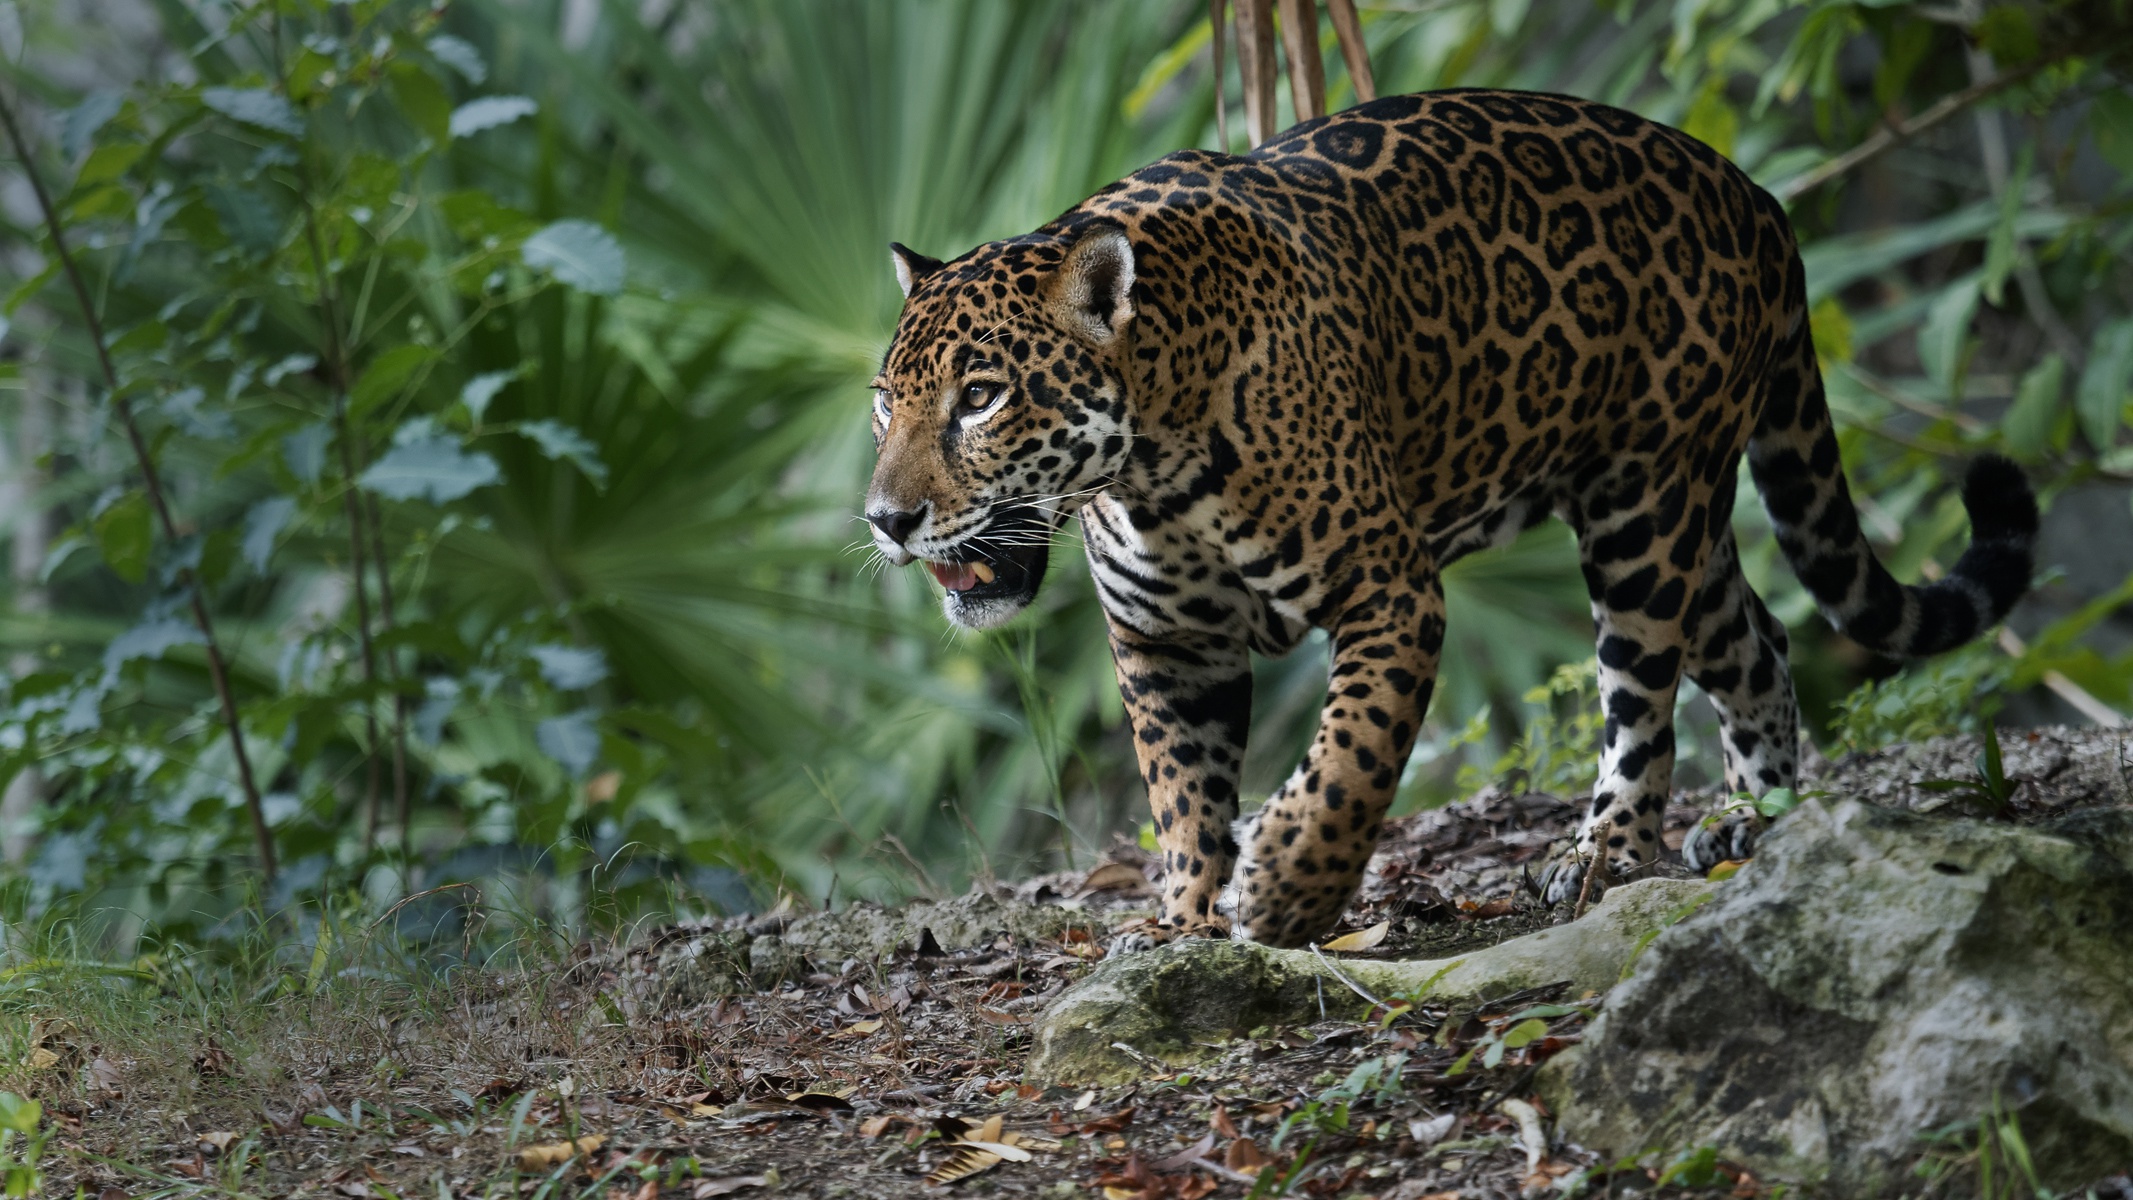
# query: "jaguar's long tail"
(1793, 458)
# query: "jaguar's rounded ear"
(1091, 292)
(911, 266)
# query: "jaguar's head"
(1000, 408)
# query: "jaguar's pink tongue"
(956, 577)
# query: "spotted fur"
(1284, 391)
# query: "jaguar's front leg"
(1189, 697)
(1305, 852)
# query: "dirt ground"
(614, 1073)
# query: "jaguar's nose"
(897, 525)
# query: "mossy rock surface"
(1174, 1005)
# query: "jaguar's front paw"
(1722, 837)
(1564, 878)
(1146, 933)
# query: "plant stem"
(337, 371)
(385, 610)
(153, 483)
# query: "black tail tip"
(1998, 498)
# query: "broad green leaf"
(488, 112)
(480, 390)
(1946, 333)
(1831, 328)
(262, 525)
(19, 1114)
(572, 740)
(2111, 120)
(570, 668)
(559, 441)
(108, 162)
(110, 200)
(1777, 802)
(1505, 16)
(2001, 247)
(30, 287)
(434, 469)
(580, 253)
(424, 102)
(151, 639)
(460, 55)
(2008, 34)
(84, 119)
(1526, 1032)
(2033, 419)
(256, 107)
(125, 536)
(2100, 398)
(385, 376)
(1712, 119)
(305, 452)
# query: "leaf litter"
(889, 1073)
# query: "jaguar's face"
(1000, 409)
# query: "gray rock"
(1173, 1005)
(1872, 976)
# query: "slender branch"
(337, 372)
(1890, 134)
(153, 482)
(385, 610)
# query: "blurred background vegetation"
(502, 363)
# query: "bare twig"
(1217, 12)
(1349, 29)
(152, 481)
(1890, 134)
(1307, 71)
(1255, 64)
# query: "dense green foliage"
(503, 365)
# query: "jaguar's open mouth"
(995, 573)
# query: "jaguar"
(1282, 391)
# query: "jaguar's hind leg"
(1740, 664)
(1643, 544)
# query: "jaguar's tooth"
(983, 571)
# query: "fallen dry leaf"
(549, 1154)
(821, 1102)
(1116, 877)
(1243, 1156)
(1361, 939)
(1186, 1157)
(997, 1017)
(41, 1059)
(874, 1127)
(859, 1029)
(966, 1161)
(1221, 1123)
(220, 1140)
(729, 1184)
(104, 1075)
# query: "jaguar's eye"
(978, 397)
(881, 407)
